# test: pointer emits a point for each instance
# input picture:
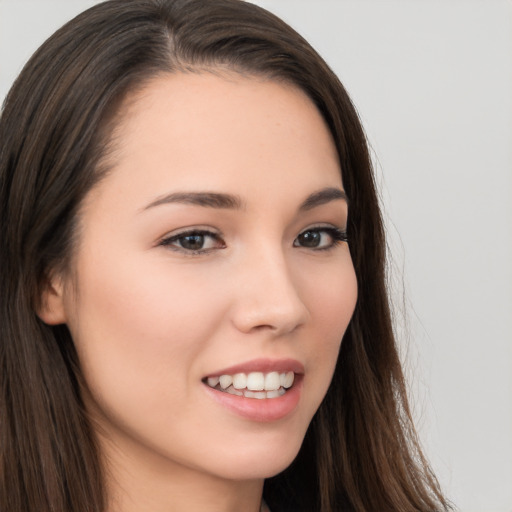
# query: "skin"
(151, 321)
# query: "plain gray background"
(432, 81)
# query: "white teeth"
(256, 381)
(258, 394)
(232, 391)
(272, 381)
(213, 381)
(225, 381)
(286, 379)
(239, 381)
(255, 384)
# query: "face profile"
(194, 264)
(173, 284)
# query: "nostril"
(269, 299)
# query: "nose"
(267, 296)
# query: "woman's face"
(213, 248)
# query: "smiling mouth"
(257, 385)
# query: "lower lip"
(263, 410)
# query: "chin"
(259, 459)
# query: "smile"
(257, 385)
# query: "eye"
(194, 241)
(320, 238)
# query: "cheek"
(332, 296)
(144, 303)
(138, 329)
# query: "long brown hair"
(360, 452)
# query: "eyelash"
(338, 236)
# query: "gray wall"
(433, 83)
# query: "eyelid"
(326, 227)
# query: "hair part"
(56, 134)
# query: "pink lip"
(262, 365)
(264, 410)
(261, 410)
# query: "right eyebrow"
(206, 199)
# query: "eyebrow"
(323, 196)
(233, 202)
(206, 199)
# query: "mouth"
(257, 385)
(262, 390)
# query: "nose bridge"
(267, 293)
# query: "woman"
(189, 229)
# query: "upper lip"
(263, 365)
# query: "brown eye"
(194, 242)
(320, 238)
(191, 242)
(309, 239)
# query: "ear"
(51, 308)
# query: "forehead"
(230, 132)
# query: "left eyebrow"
(326, 195)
